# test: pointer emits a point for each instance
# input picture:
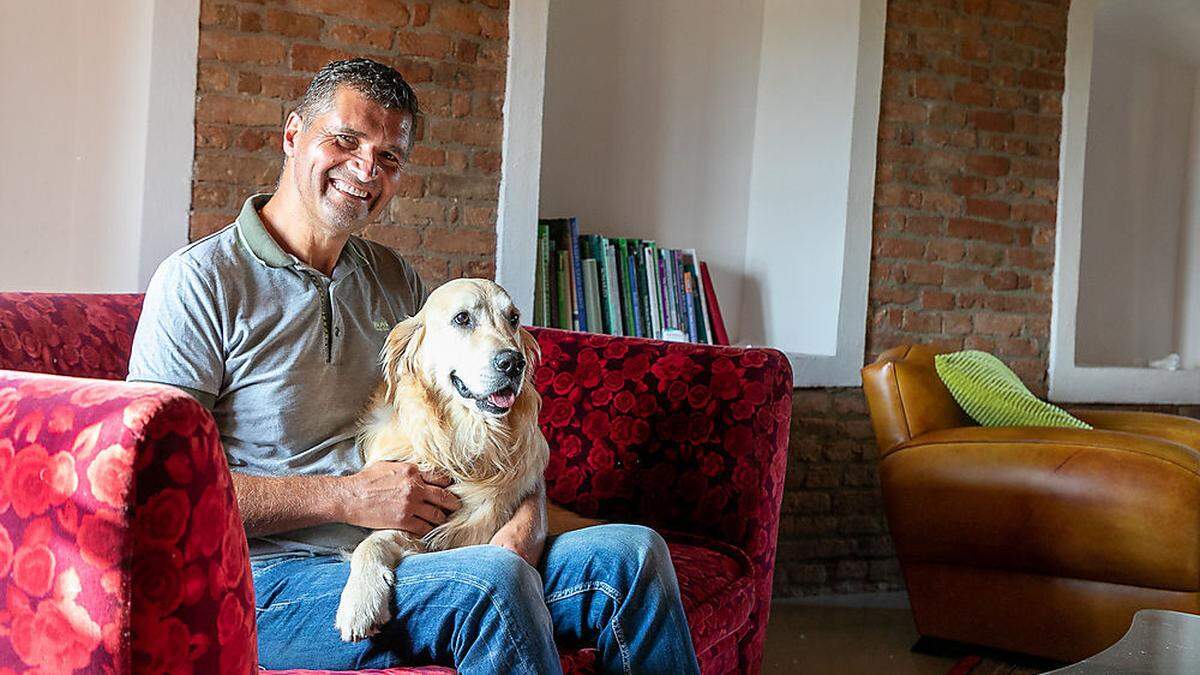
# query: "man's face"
(347, 160)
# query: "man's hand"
(397, 496)
(525, 533)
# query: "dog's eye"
(514, 321)
(462, 319)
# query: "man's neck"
(292, 227)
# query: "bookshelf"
(745, 131)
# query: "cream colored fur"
(418, 416)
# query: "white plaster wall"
(1188, 289)
(649, 124)
(86, 161)
(799, 187)
(1136, 189)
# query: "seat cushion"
(717, 594)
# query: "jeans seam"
(483, 586)
(612, 594)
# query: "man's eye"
(347, 141)
(390, 158)
(462, 319)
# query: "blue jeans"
(483, 609)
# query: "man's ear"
(400, 351)
(293, 126)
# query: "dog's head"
(468, 345)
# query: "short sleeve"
(179, 339)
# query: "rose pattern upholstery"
(120, 542)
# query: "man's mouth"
(349, 190)
(498, 402)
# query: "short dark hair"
(378, 82)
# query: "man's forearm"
(271, 504)
(525, 532)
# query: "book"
(643, 287)
(541, 290)
(685, 321)
(626, 287)
(581, 316)
(689, 306)
(720, 335)
(692, 262)
(591, 294)
(653, 289)
(560, 230)
(564, 290)
(666, 264)
(613, 297)
(635, 297)
(551, 281)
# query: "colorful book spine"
(693, 263)
(551, 280)
(626, 288)
(720, 335)
(564, 290)
(635, 298)
(689, 306)
(616, 324)
(650, 256)
(580, 318)
(541, 304)
(591, 288)
(681, 295)
(664, 288)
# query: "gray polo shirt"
(285, 357)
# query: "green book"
(541, 305)
(564, 290)
(613, 304)
(643, 286)
(626, 289)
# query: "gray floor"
(846, 634)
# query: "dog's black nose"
(510, 362)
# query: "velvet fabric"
(121, 547)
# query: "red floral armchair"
(121, 547)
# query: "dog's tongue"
(502, 399)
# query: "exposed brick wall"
(963, 253)
(257, 57)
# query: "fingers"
(443, 499)
(435, 477)
(429, 513)
(415, 526)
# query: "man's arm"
(383, 496)
(525, 533)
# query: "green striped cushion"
(994, 396)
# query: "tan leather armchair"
(1034, 540)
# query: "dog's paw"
(364, 605)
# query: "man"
(275, 324)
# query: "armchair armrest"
(120, 531)
(688, 437)
(1075, 503)
(1181, 430)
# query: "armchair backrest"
(76, 334)
(907, 398)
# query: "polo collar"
(268, 251)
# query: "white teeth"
(349, 189)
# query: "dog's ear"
(531, 351)
(400, 350)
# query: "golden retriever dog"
(457, 396)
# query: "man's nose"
(364, 167)
(509, 362)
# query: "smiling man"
(275, 324)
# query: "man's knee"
(506, 574)
(626, 546)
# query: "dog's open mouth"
(497, 403)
